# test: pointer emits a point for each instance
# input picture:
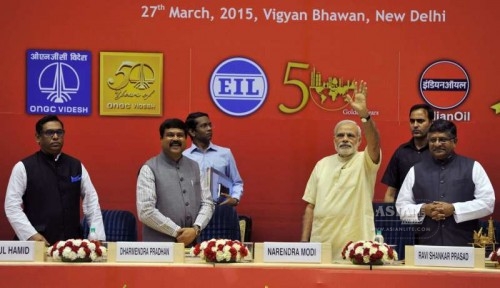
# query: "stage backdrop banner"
(271, 75)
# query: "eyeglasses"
(50, 133)
(440, 140)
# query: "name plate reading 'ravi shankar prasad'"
(144, 252)
(448, 256)
(287, 252)
(17, 250)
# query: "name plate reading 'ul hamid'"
(17, 251)
(291, 252)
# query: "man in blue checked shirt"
(224, 223)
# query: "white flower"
(220, 256)
(366, 258)
(383, 248)
(204, 245)
(220, 242)
(237, 246)
(359, 250)
(69, 254)
(81, 253)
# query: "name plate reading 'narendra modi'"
(17, 250)
(144, 252)
(292, 252)
(448, 256)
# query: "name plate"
(144, 252)
(449, 256)
(303, 252)
(17, 250)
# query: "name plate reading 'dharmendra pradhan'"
(144, 252)
(292, 252)
(449, 256)
(17, 250)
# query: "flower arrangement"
(77, 250)
(495, 256)
(368, 252)
(220, 250)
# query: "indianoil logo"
(445, 85)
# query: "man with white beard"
(340, 190)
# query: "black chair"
(224, 224)
(119, 225)
(394, 232)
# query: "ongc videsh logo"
(445, 85)
(238, 86)
(58, 82)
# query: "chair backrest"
(394, 232)
(119, 225)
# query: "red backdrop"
(275, 151)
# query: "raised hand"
(359, 101)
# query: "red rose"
(243, 251)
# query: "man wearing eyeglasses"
(173, 202)
(42, 202)
(446, 193)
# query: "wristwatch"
(365, 119)
(197, 229)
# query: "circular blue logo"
(238, 86)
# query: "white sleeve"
(484, 195)
(407, 209)
(90, 203)
(14, 203)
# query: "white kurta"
(342, 193)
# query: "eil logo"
(238, 86)
(444, 84)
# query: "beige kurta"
(342, 193)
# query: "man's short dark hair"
(172, 123)
(426, 107)
(191, 120)
(444, 126)
(47, 118)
